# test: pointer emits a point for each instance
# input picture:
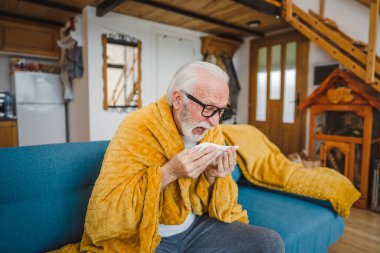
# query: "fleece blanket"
(263, 164)
(127, 203)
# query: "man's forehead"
(211, 94)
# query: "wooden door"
(278, 82)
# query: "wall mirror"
(121, 72)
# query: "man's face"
(210, 91)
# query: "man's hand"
(226, 164)
(187, 164)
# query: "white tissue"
(221, 149)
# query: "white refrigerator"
(40, 108)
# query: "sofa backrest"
(44, 192)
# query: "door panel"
(278, 70)
(172, 53)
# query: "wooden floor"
(361, 233)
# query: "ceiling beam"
(54, 5)
(198, 16)
(262, 6)
(106, 6)
(32, 19)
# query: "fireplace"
(344, 128)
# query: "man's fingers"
(226, 164)
(231, 158)
(234, 156)
(205, 160)
(220, 164)
(197, 154)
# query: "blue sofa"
(44, 191)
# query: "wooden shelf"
(219, 46)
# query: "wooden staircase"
(356, 56)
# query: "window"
(275, 73)
(261, 95)
(121, 72)
(290, 83)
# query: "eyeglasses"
(210, 110)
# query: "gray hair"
(188, 75)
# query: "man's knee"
(272, 242)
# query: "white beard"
(188, 125)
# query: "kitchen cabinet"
(8, 133)
(28, 38)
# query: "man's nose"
(214, 120)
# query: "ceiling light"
(254, 23)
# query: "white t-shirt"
(169, 230)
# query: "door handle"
(298, 99)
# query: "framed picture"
(375, 205)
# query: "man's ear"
(177, 100)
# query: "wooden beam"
(106, 6)
(198, 16)
(287, 10)
(274, 3)
(54, 5)
(333, 52)
(322, 8)
(372, 34)
(334, 36)
(31, 19)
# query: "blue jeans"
(207, 235)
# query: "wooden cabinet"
(344, 128)
(8, 134)
(30, 39)
(212, 45)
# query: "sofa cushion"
(304, 225)
(44, 192)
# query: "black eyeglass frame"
(222, 112)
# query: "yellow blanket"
(127, 204)
(263, 164)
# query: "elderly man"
(157, 193)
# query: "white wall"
(103, 124)
(79, 107)
(241, 63)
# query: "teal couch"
(44, 191)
